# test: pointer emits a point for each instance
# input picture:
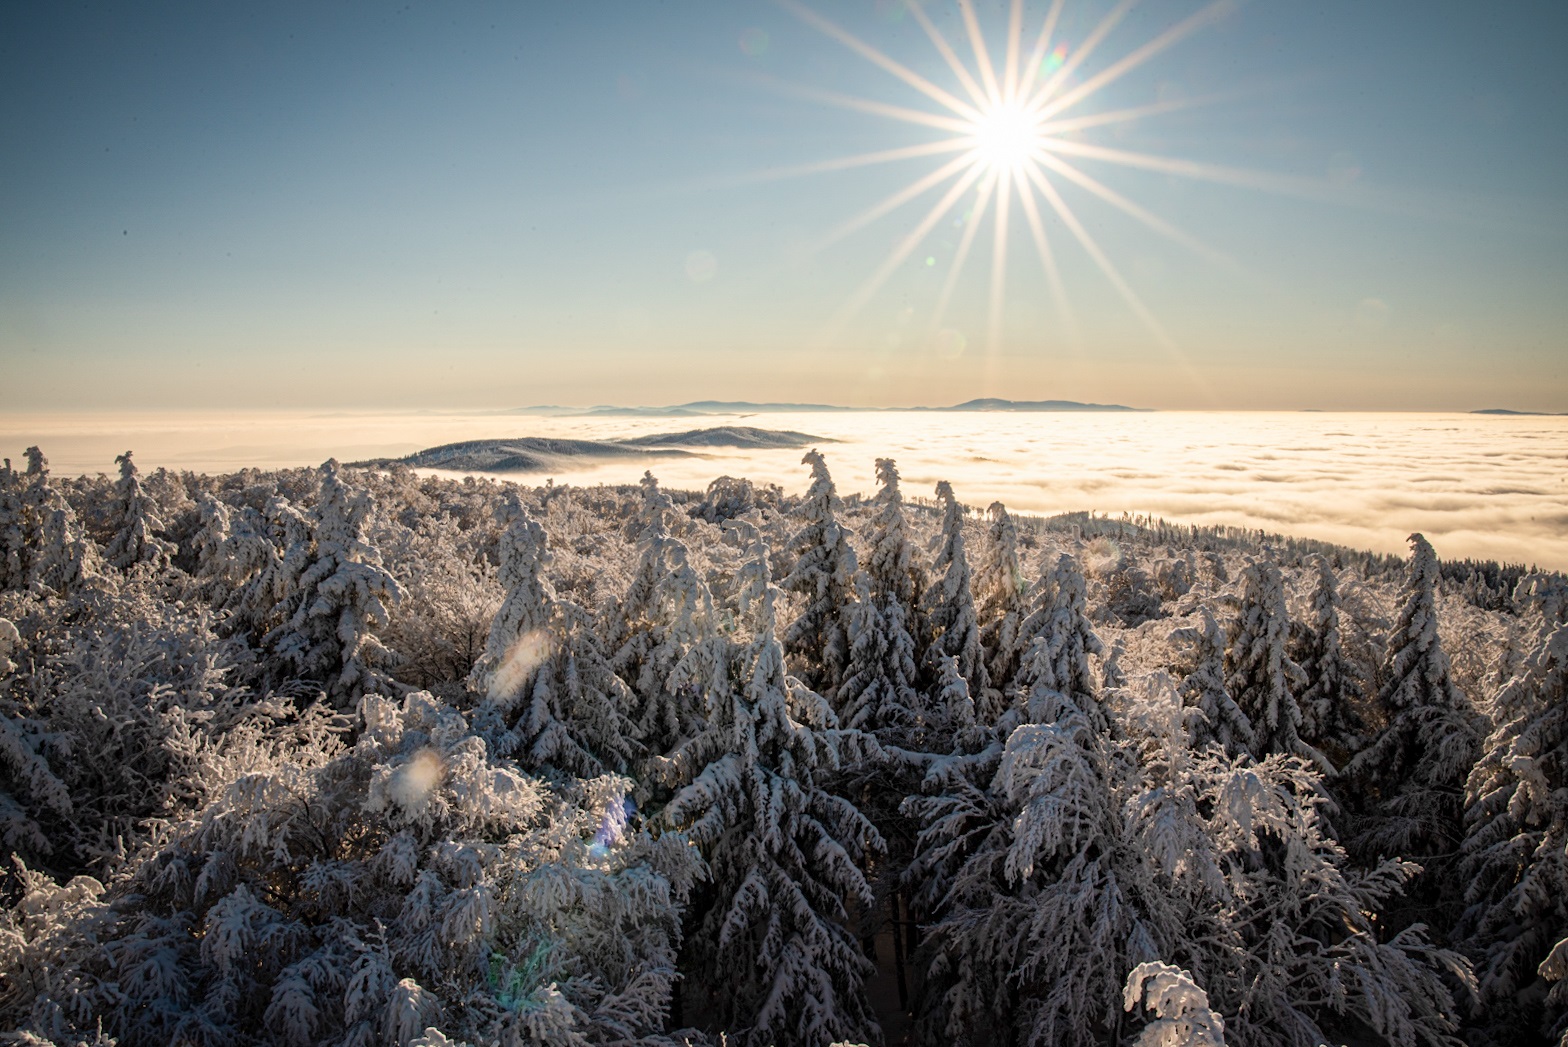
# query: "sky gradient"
(489, 205)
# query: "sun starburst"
(1015, 126)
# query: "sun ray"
(845, 163)
(1011, 139)
(1133, 210)
(982, 53)
(1131, 61)
(871, 54)
(965, 242)
(866, 105)
(902, 250)
(1284, 185)
(945, 49)
(894, 200)
(1037, 54)
(1092, 247)
(1053, 273)
(1068, 124)
(1085, 49)
(1015, 28)
(998, 260)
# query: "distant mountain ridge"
(1507, 411)
(698, 408)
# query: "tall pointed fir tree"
(880, 689)
(1408, 783)
(783, 854)
(951, 617)
(45, 546)
(667, 611)
(1003, 592)
(550, 695)
(1221, 721)
(893, 559)
(1258, 672)
(1033, 920)
(824, 573)
(340, 597)
(264, 557)
(14, 555)
(1329, 720)
(135, 518)
(1514, 865)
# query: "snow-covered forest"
(360, 756)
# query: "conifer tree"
(1514, 865)
(879, 692)
(1002, 596)
(893, 559)
(551, 697)
(1258, 672)
(824, 573)
(783, 854)
(46, 548)
(674, 617)
(13, 530)
(1056, 662)
(1203, 689)
(1329, 720)
(1408, 783)
(405, 889)
(135, 518)
(341, 595)
(950, 609)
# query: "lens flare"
(526, 654)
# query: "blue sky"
(477, 205)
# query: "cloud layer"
(1477, 486)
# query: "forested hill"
(361, 756)
(533, 454)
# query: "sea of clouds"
(1493, 487)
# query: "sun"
(1005, 136)
(1022, 127)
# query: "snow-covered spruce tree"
(450, 596)
(1258, 672)
(1203, 689)
(676, 617)
(1289, 949)
(549, 694)
(264, 557)
(880, 692)
(824, 573)
(409, 887)
(13, 530)
(783, 854)
(667, 612)
(1329, 720)
(893, 558)
(1035, 920)
(1514, 867)
(951, 617)
(332, 610)
(1002, 596)
(135, 518)
(56, 553)
(963, 878)
(1407, 785)
(1061, 639)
